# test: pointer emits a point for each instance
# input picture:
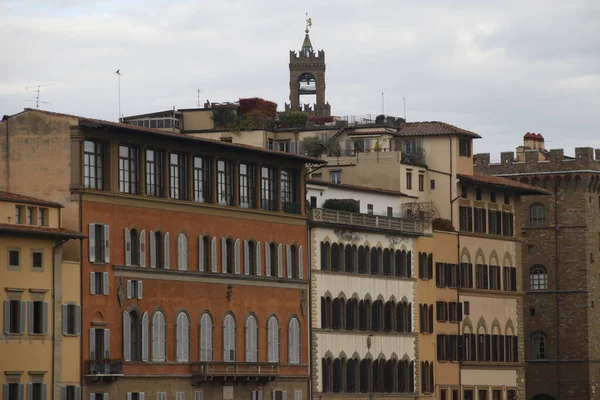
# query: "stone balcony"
(412, 226)
(233, 372)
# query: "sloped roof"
(433, 128)
(92, 122)
(369, 189)
(19, 198)
(41, 231)
(496, 181)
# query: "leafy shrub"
(342, 205)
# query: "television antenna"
(36, 90)
(198, 91)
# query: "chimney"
(540, 142)
(529, 141)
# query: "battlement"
(310, 56)
(539, 161)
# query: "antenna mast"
(198, 91)
(382, 108)
(37, 91)
(404, 99)
(118, 72)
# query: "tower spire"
(307, 45)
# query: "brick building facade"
(560, 276)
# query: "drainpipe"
(6, 118)
(54, 327)
(308, 303)
(556, 280)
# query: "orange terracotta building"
(194, 282)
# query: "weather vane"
(308, 23)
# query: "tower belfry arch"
(307, 77)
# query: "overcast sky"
(500, 69)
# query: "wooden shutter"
(145, 336)
(30, 317)
(167, 251)
(6, 316)
(92, 283)
(45, 318)
(201, 251)
(246, 258)
(236, 256)
(179, 338)
(22, 330)
(267, 259)
(77, 392)
(65, 310)
(280, 260)
(186, 339)
(106, 243)
(139, 291)
(152, 249)
(126, 335)
(129, 289)
(127, 247)
(224, 255)
(78, 320)
(258, 260)
(105, 283)
(105, 396)
(300, 263)
(93, 345)
(182, 252)
(30, 391)
(142, 248)
(213, 254)
(107, 343)
(92, 242)
(288, 251)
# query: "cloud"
(498, 68)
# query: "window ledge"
(38, 336)
(98, 263)
(14, 334)
(70, 335)
(39, 290)
(14, 290)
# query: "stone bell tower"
(307, 77)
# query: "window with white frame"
(99, 283)
(198, 395)
(135, 247)
(99, 243)
(206, 338)
(70, 392)
(135, 396)
(71, 319)
(538, 277)
(134, 289)
(180, 396)
(273, 340)
(251, 339)
(182, 332)
(14, 316)
(160, 255)
(294, 341)
(159, 342)
(135, 334)
(161, 395)
(229, 345)
(182, 252)
(37, 314)
(92, 165)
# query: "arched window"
(337, 313)
(403, 317)
(325, 256)
(251, 339)
(387, 262)
(338, 383)
(157, 247)
(159, 340)
(229, 345)
(182, 252)
(539, 346)
(134, 338)
(537, 214)
(206, 338)
(273, 340)
(362, 260)
(228, 259)
(293, 261)
(389, 376)
(375, 253)
(294, 341)
(204, 253)
(388, 318)
(377, 315)
(538, 277)
(400, 263)
(363, 321)
(250, 263)
(352, 375)
(183, 337)
(336, 257)
(351, 314)
(326, 372)
(274, 267)
(468, 345)
(365, 372)
(132, 247)
(349, 259)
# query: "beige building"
(40, 339)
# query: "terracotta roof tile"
(356, 187)
(433, 128)
(92, 122)
(502, 182)
(41, 230)
(18, 198)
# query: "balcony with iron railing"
(214, 371)
(415, 226)
(103, 371)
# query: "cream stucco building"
(39, 342)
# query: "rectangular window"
(507, 224)
(432, 184)
(37, 391)
(336, 176)
(99, 283)
(421, 182)
(42, 217)
(128, 169)
(161, 395)
(317, 176)
(134, 289)
(98, 242)
(15, 320)
(493, 197)
(455, 394)
(511, 395)
(390, 212)
(247, 186)
(466, 218)
(154, 173)
(467, 307)
(224, 183)
(37, 259)
(440, 275)
(443, 394)
(480, 220)
(71, 318)
(38, 309)
(177, 177)
(478, 194)
(483, 394)
(288, 193)
(267, 189)
(481, 276)
(494, 222)
(19, 214)
(370, 209)
(14, 257)
(466, 275)
(180, 396)
(199, 395)
(408, 180)
(92, 165)
(464, 147)
(29, 216)
(506, 199)
(313, 202)
(497, 395)
(201, 179)
(468, 395)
